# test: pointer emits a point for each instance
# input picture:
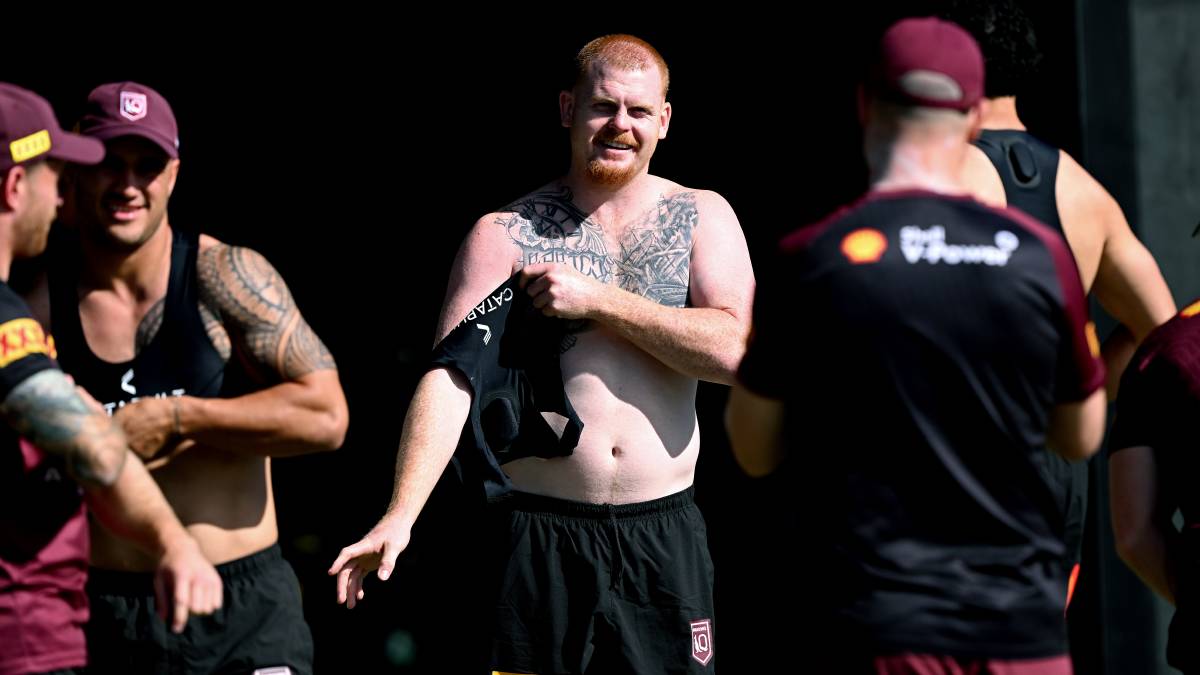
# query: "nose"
(127, 183)
(621, 120)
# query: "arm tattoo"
(149, 325)
(255, 305)
(217, 334)
(46, 409)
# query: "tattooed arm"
(306, 410)
(46, 409)
(250, 314)
(690, 244)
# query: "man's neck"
(5, 265)
(1001, 113)
(604, 203)
(923, 163)
(135, 273)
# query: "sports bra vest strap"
(1028, 169)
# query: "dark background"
(356, 153)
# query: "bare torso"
(641, 438)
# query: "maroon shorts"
(927, 664)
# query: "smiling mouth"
(614, 145)
(123, 212)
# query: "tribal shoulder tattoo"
(244, 298)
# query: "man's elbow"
(727, 358)
(725, 368)
(327, 430)
(333, 425)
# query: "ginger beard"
(609, 174)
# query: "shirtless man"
(199, 352)
(659, 278)
(58, 451)
(1008, 166)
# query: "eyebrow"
(608, 99)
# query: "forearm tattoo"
(254, 304)
(46, 409)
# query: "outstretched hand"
(378, 550)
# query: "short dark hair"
(1006, 37)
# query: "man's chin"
(606, 174)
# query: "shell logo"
(864, 245)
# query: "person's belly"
(640, 438)
(224, 500)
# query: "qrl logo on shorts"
(702, 649)
(133, 105)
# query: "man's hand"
(150, 425)
(185, 583)
(378, 550)
(562, 292)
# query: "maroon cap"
(929, 62)
(29, 131)
(130, 109)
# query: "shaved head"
(624, 52)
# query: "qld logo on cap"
(133, 105)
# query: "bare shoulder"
(493, 250)
(225, 270)
(708, 208)
(245, 298)
(207, 242)
(708, 202)
(980, 178)
(1079, 194)
(714, 207)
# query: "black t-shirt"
(25, 348)
(1158, 408)
(509, 352)
(920, 342)
(38, 500)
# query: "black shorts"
(1068, 482)
(596, 588)
(260, 626)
